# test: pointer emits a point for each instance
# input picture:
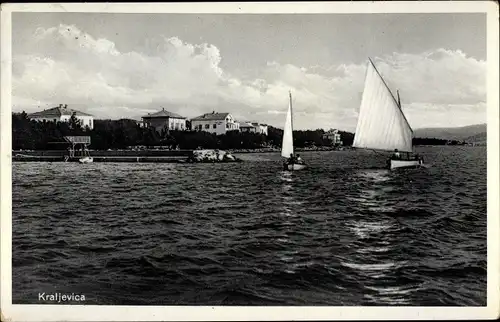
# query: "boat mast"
(291, 111)
(397, 102)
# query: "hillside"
(471, 133)
(477, 138)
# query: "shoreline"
(186, 153)
(150, 153)
(156, 156)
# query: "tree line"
(122, 134)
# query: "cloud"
(445, 115)
(66, 65)
(437, 77)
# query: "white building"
(253, 127)
(334, 136)
(218, 123)
(260, 128)
(62, 113)
(246, 127)
(164, 120)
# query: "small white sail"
(287, 144)
(381, 122)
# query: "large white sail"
(287, 144)
(381, 122)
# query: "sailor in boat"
(299, 159)
(396, 155)
(294, 159)
(419, 158)
(288, 161)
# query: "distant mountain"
(471, 133)
(477, 138)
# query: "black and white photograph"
(304, 155)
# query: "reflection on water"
(376, 176)
(376, 240)
(363, 228)
(289, 205)
(371, 268)
(289, 202)
(374, 249)
(286, 176)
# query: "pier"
(150, 156)
(130, 159)
(130, 156)
(71, 154)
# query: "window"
(207, 126)
(176, 126)
(215, 126)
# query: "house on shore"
(62, 113)
(253, 127)
(246, 127)
(334, 136)
(218, 123)
(164, 120)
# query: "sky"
(127, 65)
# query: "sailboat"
(287, 144)
(382, 124)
